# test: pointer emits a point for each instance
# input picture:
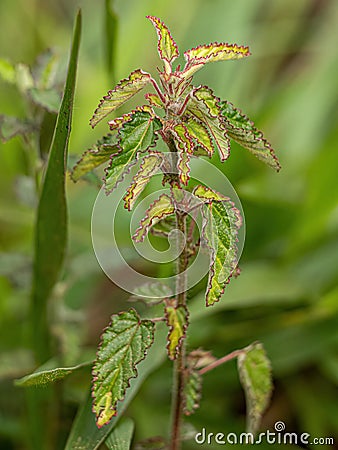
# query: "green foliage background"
(287, 295)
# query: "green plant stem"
(180, 363)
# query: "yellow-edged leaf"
(150, 165)
(167, 47)
(122, 92)
(177, 321)
(162, 207)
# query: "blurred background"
(287, 294)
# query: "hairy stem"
(180, 363)
(220, 361)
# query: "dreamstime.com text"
(279, 436)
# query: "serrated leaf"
(154, 100)
(204, 107)
(122, 92)
(120, 438)
(42, 377)
(182, 138)
(200, 135)
(207, 99)
(192, 392)
(7, 71)
(162, 207)
(177, 321)
(136, 135)
(117, 123)
(51, 227)
(150, 165)
(183, 167)
(220, 227)
(209, 194)
(12, 126)
(198, 56)
(85, 435)
(95, 156)
(255, 374)
(242, 130)
(123, 345)
(167, 47)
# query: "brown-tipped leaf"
(124, 344)
(162, 207)
(177, 321)
(122, 92)
(95, 156)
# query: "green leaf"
(198, 56)
(116, 124)
(154, 100)
(177, 321)
(95, 156)
(12, 126)
(123, 345)
(45, 70)
(207, 102)
(136, 135)
(192, 392)
(23, 78)
(162, 207)
(255, 375)
(182, 138)
(221, 224)
(167, 47)
(7, 71)
(122, 92)
(150, 165)
(199, 134)
(120, 438)
(209, 194)
(42, 377)
(242, 130)
(84, 434)
(204, 107)
(110, 35)
(51, 227)
(48, 99)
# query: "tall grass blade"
(51, 225)
(110, 37)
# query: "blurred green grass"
(287, 294)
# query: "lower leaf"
(255, 374)
(192, 392)
(123, 345)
